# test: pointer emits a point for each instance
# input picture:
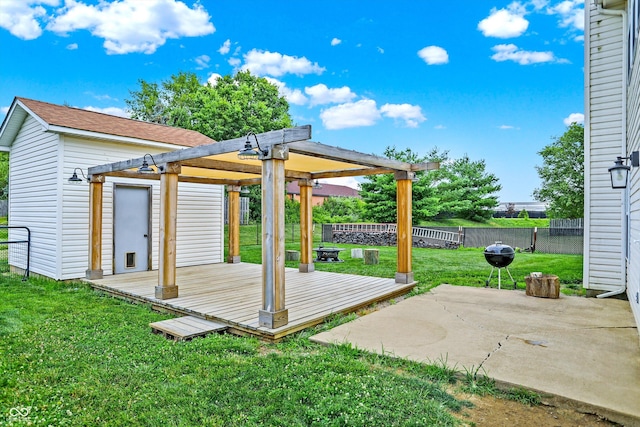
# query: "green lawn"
(69, 356)
(462, 267)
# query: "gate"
(15, 251)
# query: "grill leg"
(514, 282)
(489, 279)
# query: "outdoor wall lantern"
(620, 172)
(249, 153)
(75, 179)
(145, 168)
(317, 184)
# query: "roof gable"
(62, 119)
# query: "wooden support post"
(405, 226)
(95, 227)
(306, 226)
(167, 288)
(233, 214)
(273, 314)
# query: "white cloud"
(202, 62)
(571, 13)
(574, 118)
(213, 79)
(114, 111)
(72, 46)
(293, 96)
(234, 62)
(380, 50)
(505, 127)
(21, 18)
(505, 23)
(434, 55)
(133, 26)
(351, 114)
(321, 94)
(4, 110)
(510, 52)
(335, 41)
(411, 114)
(276, 64)
(226, 46)
(440, 127)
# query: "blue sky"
(496, 80)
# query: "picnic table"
(327, 254)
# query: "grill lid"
(499, 255)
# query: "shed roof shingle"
(91, 121)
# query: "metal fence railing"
(15, 251)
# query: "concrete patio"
(582, 352)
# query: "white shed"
(612, 130)
(48, 142)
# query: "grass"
(69, 356)
(460, 267)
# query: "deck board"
(231, 294)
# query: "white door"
(131, 239)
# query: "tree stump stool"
(543, 285)
(356, 253)
(371, 256)
(292, 256)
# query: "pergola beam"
(349, 156)
(266, 139)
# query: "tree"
(339, 209)
(4, 175)
(379, 191)
(230, 108)
(562, 174)
(467, 191)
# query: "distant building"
(513, 209)
(321, 192)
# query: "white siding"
(604, 210)
(33, 195)
(633, 142)
(200, 217)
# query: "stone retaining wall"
(387, 239)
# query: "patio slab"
(580, 351)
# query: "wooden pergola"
(285, 155)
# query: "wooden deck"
(231, 294)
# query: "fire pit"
(499, 256)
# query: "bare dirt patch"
(491, 411)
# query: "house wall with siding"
(34, 196)
(605, 223)
(633, 142)
(200, 236)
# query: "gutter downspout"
(601, 8)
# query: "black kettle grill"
(499, 256)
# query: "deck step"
(185, 328)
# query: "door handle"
(146, 235)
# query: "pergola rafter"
(286, 155)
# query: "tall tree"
(379, 191)
(562, 174)
(230, 108)
(466, 190)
